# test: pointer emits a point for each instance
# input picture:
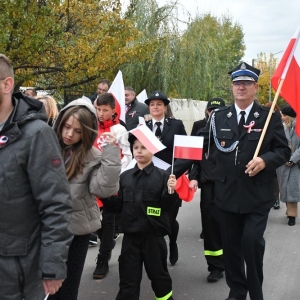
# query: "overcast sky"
(268, 25)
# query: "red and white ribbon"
(3, 140)
(250, 126)
(132, 114)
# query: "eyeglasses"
(245, 83)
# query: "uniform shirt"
(154, 125)
(143, 200)
(247, 112)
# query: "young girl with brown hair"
(90, 173)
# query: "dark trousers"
(139, 249)
(243, 242)
(106, 233)
(77, 254)
(172, 215)
(213, 249)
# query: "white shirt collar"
(247, 111)
(161, 121)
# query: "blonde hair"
(51, 106)
(6, 68)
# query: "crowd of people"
(65, 184)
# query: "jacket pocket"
(254, 136)
(12, 246)
(15, 183)
(225, 135)
(264, 177)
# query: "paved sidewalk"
(281, 264)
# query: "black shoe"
(215, 275)
(173, 254)
(276, 204)
(101, 268)
(93, 240)
(292, 221)
(116, 236)
(202, 235)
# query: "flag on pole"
(148, 139)
(117, 89)
(188, 147)
(142, 96)
(289, 71)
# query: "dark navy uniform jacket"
(235, 190)
(170, 128)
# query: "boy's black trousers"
(139, 249)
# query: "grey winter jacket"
(35, 197)
(100, 178)
(289, 177)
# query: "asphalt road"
(281, 263)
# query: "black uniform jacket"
(170, 128)
(143, 200)
(198, 125)
(136, 110)
(235, 190)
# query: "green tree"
(189, 64)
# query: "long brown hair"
(75, 155)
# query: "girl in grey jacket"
(90, 173)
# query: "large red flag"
(289, 71)
(117, 89)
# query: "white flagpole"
(171, 191)
(46, 297)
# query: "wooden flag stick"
(268, 119)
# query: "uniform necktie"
(242, 121)
(158, 130)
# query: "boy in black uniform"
(144, 199)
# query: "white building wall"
(188, 111)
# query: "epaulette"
(221, 108)
(169, 120)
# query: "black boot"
(101, 267)
(292, 221)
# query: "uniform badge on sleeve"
(56, 161)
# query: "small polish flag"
(148, 139)
(188, 147)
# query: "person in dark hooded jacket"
(35, 197)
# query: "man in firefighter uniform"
(202, 174)
(244, 184)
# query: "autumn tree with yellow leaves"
(57, 44)
(267, 66)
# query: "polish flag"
(289, 71)
(148, 139)
(188, 147)
(117, 89)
